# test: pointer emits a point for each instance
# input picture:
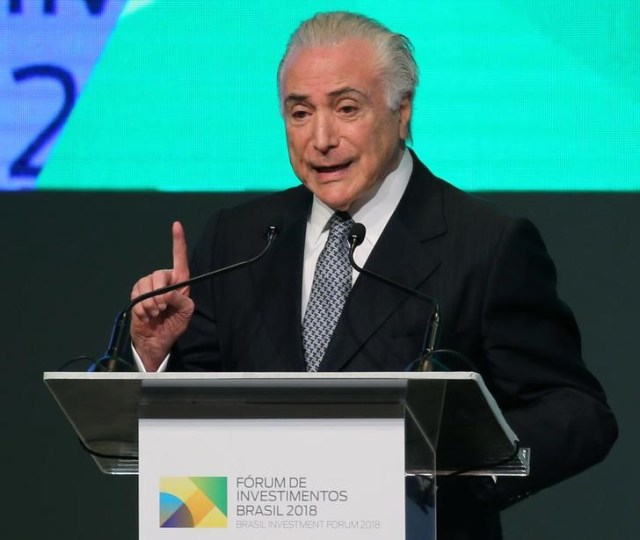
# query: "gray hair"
(398, 66)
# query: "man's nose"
(325, 133)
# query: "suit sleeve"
(535, 368)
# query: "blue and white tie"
(329, 291)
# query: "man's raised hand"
(157, 322)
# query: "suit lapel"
(406, 252)
(279, 282)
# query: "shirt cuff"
(140, 365)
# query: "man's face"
(342, 136)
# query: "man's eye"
(299, 114)
(348, 110)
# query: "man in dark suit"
(346, 88)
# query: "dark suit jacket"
(496, 288)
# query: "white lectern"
(266, 456)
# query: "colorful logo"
(193, 501)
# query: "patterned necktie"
(331, 285)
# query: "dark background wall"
(68, 261)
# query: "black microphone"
(110, 361)
(355, 238)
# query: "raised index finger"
(180, 270)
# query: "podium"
(289, 455)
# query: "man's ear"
(405, 111)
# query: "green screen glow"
(514, 95)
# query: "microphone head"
(272, 232)
(357, 232)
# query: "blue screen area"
(48, 50)
(180, 96)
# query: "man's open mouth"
(331, 168)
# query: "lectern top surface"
(454, 409)
(389, 375)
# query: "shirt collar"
(374, 212)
